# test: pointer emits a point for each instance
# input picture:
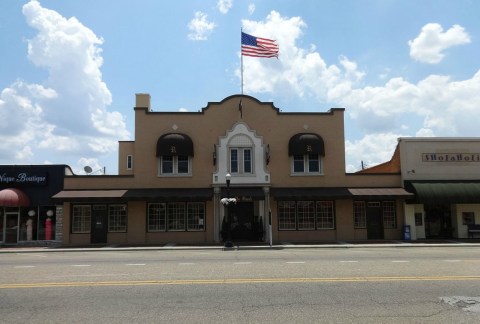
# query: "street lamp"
(228, 241)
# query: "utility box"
(406, 233)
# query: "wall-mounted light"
(267, 154)
(214, 155)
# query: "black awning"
(446, 192)
(306, 143)
(380, 193)
(256, 193)
(310, 193)
(170, 194)
(174, 144)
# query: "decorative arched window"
(174, 151)
(306, 151)
(241, 150)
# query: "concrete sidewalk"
(244, 246)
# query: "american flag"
(258, 47)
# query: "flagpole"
(241, 60)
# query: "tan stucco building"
(173, 177)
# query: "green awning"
(447, 192)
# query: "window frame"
(238, 165)
(389, 215)
(85, 221)
(176, 216)
(306, 215)
(175, 165)
(129, 162)
(299, 168)
(360, 214)
(117, 222)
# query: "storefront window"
(81, 219)
(359, 214)
(37, 224)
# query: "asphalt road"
(362, 285)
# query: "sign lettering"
(22, 178)
(450, 157)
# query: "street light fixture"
(228, 241)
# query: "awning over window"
(12, 197)
(174, 144)
(447, 192)
(306, 143)
(170, 194)
(380, 193)
(89, 195)
(309, 193)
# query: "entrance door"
(11, 228)
(99, 224)
(374, 221)
(438, 221)
(242, 221)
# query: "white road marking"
(81, 265)
(347, 261)
(296, 262)
(25, 266)
(135, 264)
(186, 263)
(400, 261)
(451, 260)
(243, 263)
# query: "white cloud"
(67, 114)
(251, 8)
(200, 28)
(433, 106)
(372, 149)
(224, 5)
(429, 45)
(298, 71)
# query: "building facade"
(286, 172)
(28, 215)
(444, 175)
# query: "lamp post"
(228, 241)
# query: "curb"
(235, 248)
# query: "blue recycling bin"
(406, 233)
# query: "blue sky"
(69, 70)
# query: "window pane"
(176, 216)
(306, 215)
(234, 160)
(325, 215)
(196, 216)
(117, 218)
(359, 214)
(298, 163)
(389, 217)
(313, 163)
(167, 164)
(286, 215)
(157, 216)
(81, 219)
(182, 164)
(247, 161)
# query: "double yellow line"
(232, 281)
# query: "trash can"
(406, 233)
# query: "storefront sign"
(23, 178)
(450, 157)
